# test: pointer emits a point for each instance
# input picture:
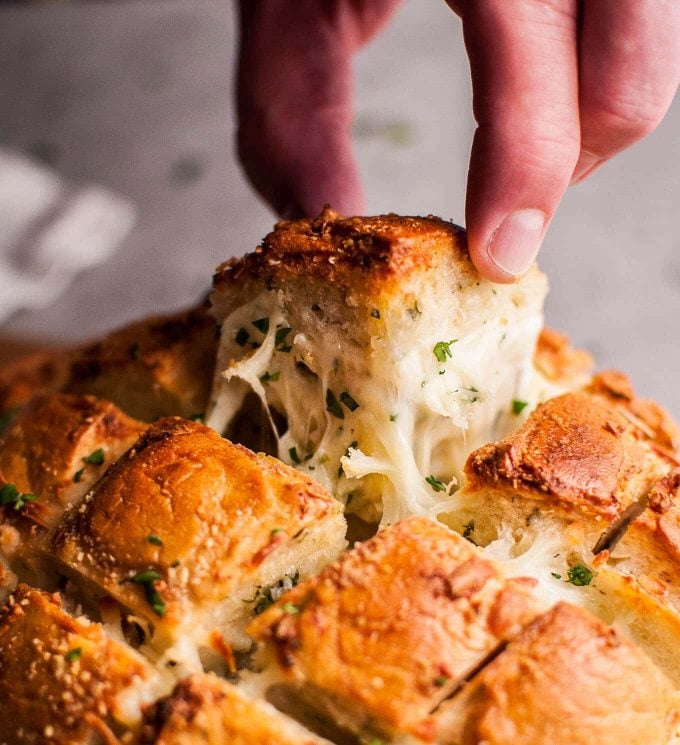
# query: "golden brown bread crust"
(157, 367)
(566, 679)
(56, 448)
(204, 710)
(558, 361)
(390, 629)
(59, 676)
(580, 452)
(346, 250)
(28, 376)
(646, 415)
(216, 512)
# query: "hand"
(560, 86)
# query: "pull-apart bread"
(386, 354)
(458, 535)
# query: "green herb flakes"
(73, 654)
(148, 579)
(10, 495)
(518, 406)
(435, 483)
(270, 377)
(262, 324)
(556, 575)
(579, 575)
(442, 350)
(290, 608)
(333, 405)
(349, 402)
(441, 681)
(154, 539)
(95, 458)
(78, 475)
(242, 337)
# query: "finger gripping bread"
(460, 535)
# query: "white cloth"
(50, 230)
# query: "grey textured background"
(136, 95)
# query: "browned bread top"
(567, 678)
(60, 677)
(587, 450)
(156, 367)
(57, 447)
(339, 250)
(396, 624)
(195, 511)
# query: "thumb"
(524, 67)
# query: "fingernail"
(587, 162)
(516, 241)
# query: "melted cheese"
(417, 414)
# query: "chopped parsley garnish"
(442, 349)
(280, 337)
(579, 575)
(276, 531)
(6, 418)
(333, 405)
(375, 313)
(290, 608)
(555, 575)
(78, 475)
(293, 453)
(73, 654)
(95, 458)
(394, 417)
(435, 483)
(9, 494)
(270, 377)
(241, 337)
(154, 539)
(468, 530)
(262, 324)
(441, 681)
(148, 579)
(142, 578)
(267, 596)
(135, 351)
(349, 402)
(519, 406)
(175, 564)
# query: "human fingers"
(294, 92)
(523, 59)
(629, 69)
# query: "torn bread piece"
(206, 710)
(161, 366)
(567, 679)
(582, 490)
(382, 636)
(50, 455)
(62, 680)
(193, 534)
(381, 354)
